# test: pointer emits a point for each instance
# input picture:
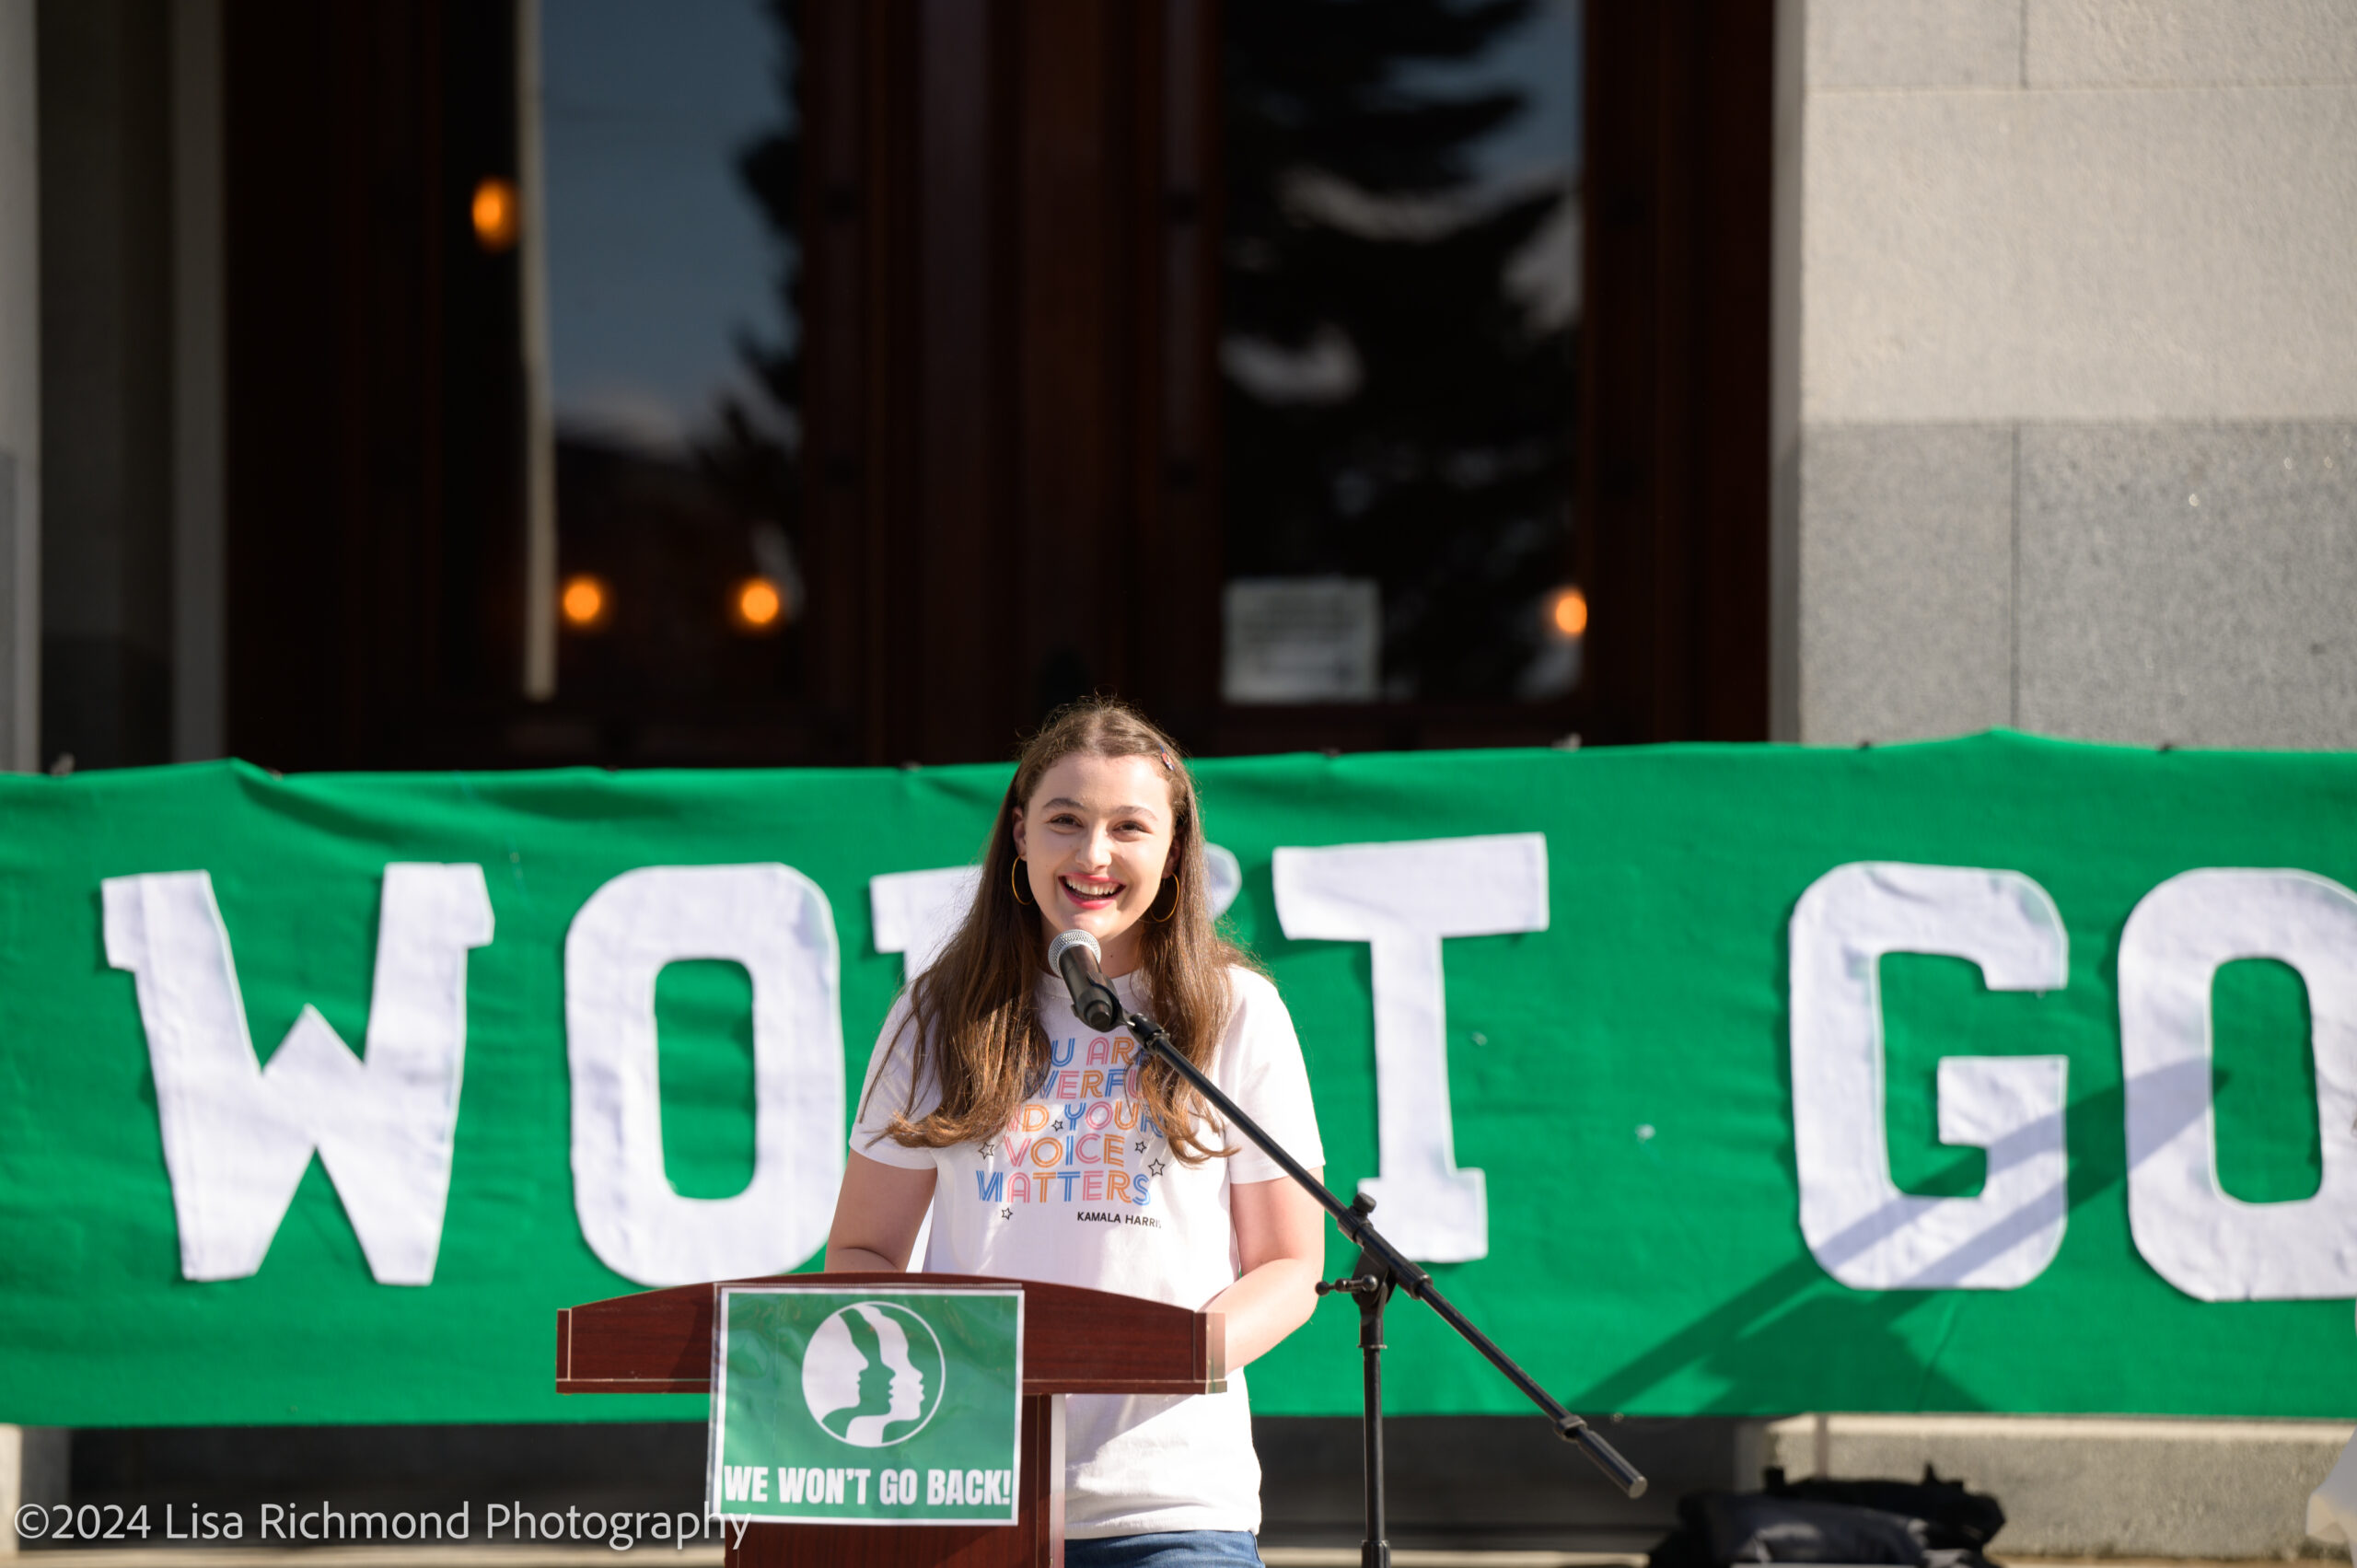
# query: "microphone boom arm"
(1382, 1267)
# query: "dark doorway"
(987, 432)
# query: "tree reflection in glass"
(1401, 297)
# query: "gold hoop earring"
(1014, 885)
(1166, 919)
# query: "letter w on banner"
(239, 1135)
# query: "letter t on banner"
(917, 912)
(1402, 900)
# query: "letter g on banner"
(775, 922)
(2202, 1240)
(1861, 1229)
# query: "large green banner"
(1999, 1074)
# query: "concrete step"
(2109, 1488)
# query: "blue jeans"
(1176, 1549)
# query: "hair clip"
(1168, 765)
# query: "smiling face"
(1096, 840)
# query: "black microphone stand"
(1380, 1270)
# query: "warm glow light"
(1567, 611)
(496, 219)
(759, 604)
(584, 601)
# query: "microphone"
(1076, 955)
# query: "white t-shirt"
(1081, 1188)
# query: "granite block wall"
(2076, 369)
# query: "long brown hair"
(976, 1028)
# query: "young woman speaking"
(982, 1061)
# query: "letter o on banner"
(775, 922)
(2208, 1243)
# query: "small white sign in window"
(1301, 640)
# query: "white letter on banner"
(776, 922)
(2208, 1243)
(1402, 900)
(1861, 1229)
(238, 1136)
(917, 912)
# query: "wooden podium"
(1075, 1341)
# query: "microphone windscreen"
(1076, 955)
(1065, 941)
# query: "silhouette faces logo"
(872, 1375)
(887, 1404)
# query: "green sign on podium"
(865, 1405)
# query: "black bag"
(1750, 1527)
(1931, 1524)
(1952, 1517)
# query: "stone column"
(33, 1469)
(20, 392)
